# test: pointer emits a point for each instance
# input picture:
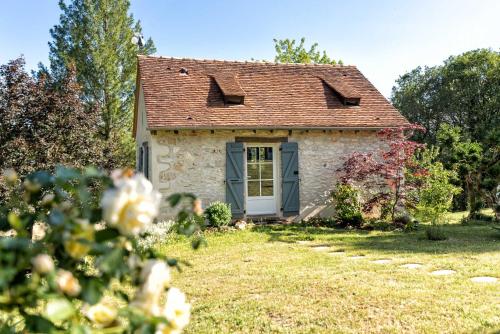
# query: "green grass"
(262, 281)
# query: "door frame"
(276, 179)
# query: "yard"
(264, 280)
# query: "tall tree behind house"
(97, 38)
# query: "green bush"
(435, 233)
(347, 206)
(434, 197)
(218, 214)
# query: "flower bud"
(42, 264)
(10, 175)
(67, 283)
(197, 209)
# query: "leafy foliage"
(287, 51)
(433, 197)
(218, 214)
(462, 99)
(96, 37)
(347, 206)
(479, 170)
(65, 279)
(42, 125)
(381, 174)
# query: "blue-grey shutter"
(235, 187)
(290, 179)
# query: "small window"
(144, 159)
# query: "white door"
(261, 179)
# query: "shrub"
(78, 267)
(434, 195)
(435, 232)
(218, 214)
(347, 206)
(318, 221)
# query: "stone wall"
(194, 161)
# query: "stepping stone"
(484, 279)
(357, 257)
(443, 272)
(411, 266)
(320, 248)
(382, 261)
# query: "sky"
(383, 38)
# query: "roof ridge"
(257, 62)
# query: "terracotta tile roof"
(276, 95)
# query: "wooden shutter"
(290, 179)
(235, 186)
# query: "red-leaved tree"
(381, 174)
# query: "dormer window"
(348, 95)
(230, 87)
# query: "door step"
(262, 220)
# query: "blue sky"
(383, 38)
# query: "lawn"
(261, 280)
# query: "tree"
(42, 126)
(382, 174)
(464, 93)
(288, 52)
(96, 37)
(479, 170)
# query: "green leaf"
(59, 309)
(107, 234)
(174, 199)
(56, 217)
(42, 178)
(109, 263)
(92, 291)
(38, 324)
(14, 221)
(66, 174)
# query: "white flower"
(176, 311)
(132, 205)
(42, 263)
(102, 314)
(68, 283)
(155, 277)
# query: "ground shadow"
(461, 238)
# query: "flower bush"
(76, 277)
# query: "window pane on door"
(266, 154)
(266, 171)
(252, 154)
(267, 188)
(253, 171)
(253, 188)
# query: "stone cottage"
(266, 138)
